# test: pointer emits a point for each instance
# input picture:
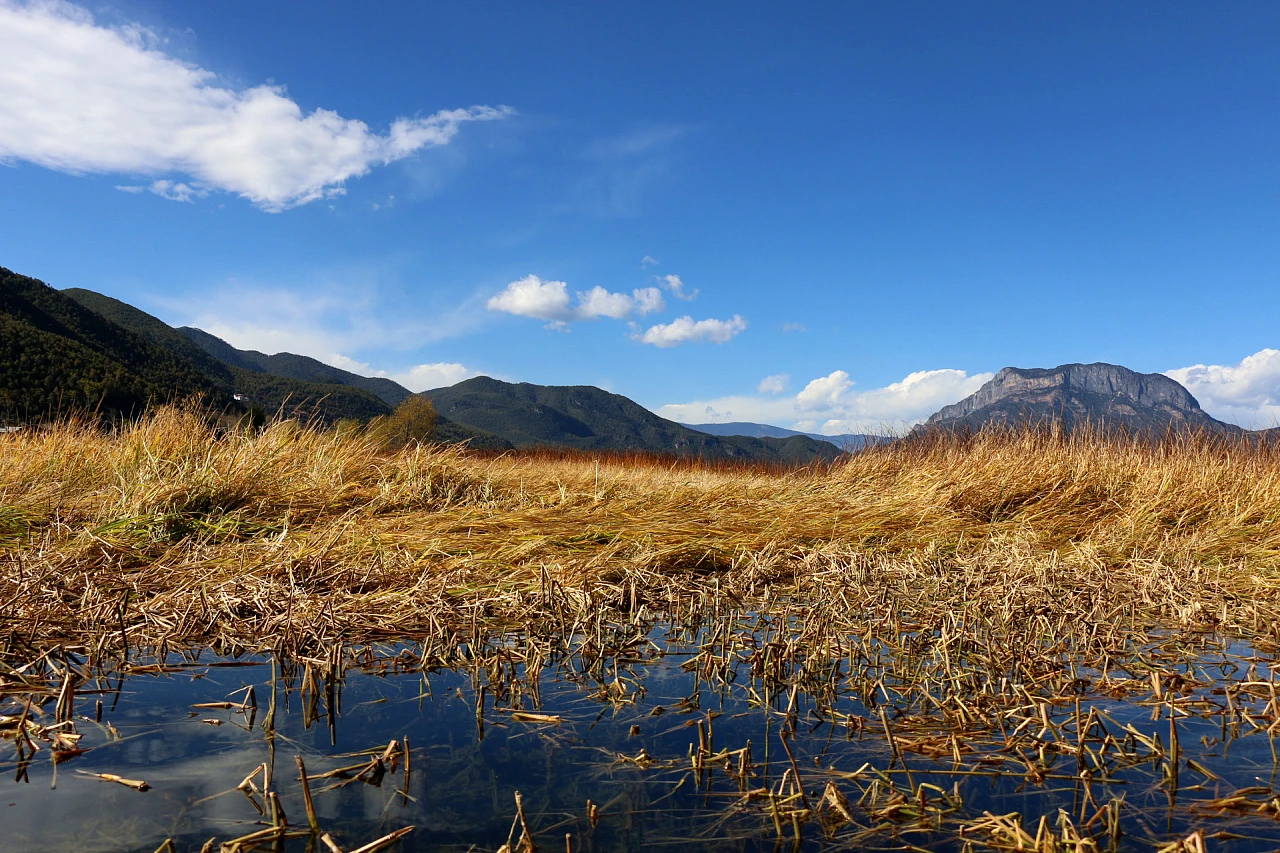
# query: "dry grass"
(179, 534)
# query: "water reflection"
(646, 738)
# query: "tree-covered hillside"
(153, 329)
(589, 418)
(327, 402)
(57, 356)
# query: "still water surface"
(625, 742)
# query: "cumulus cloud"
(775, 384)
(1246, 393)
(685, 330)
(421, 377)
(550, 301)
(424, 377)
(676, 286)
(80, 97)
(831, 405)
(533, 297)
(598, 302)
(824, 392)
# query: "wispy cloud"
(830, 404)
(685, 330)
(533, 297)
(775, 384)
(676, 286)
(617, 173)
(648, 261)
(1246, 393)
(321, 312)
(80, 97)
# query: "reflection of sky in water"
(462, 786)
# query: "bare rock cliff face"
(1099, 395)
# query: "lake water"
(663, 743)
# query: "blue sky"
(838, 217)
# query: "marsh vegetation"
(1018, 640)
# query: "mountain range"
(844, 441)
(76, 349)
(589, 418)
(80, 350)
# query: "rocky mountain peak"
(1099, 394)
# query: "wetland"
(1014, 641)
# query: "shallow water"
(630, 728)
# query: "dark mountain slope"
(328, 402)
(153, 329)
(588, 418)
(57, 355)
(293, 366)
(1098, 395)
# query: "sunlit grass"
(228, 533)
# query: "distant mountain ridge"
(80, 350)
(844, 441)
(1100, 395)
(77, 349)
(589, 418)
(294, 366)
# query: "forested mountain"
(283, 394)
(589, 418)
(277, 383)
(78, 349)
(58, 356)
(293, 366)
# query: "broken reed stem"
(306, 795)
(405, 793)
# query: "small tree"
(414, 420)
(253, 419)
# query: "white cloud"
(350, 365)
(79, 97)
(422, 377)
(794, 327)
(775, 384)
(676, 286)
(687, 330)
(830, 405)
(648, 300)
(549, 300)
(598, 302)
(1247, 393)
(649, 260)
(533, 297)
(824, 392)
(177, 191)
